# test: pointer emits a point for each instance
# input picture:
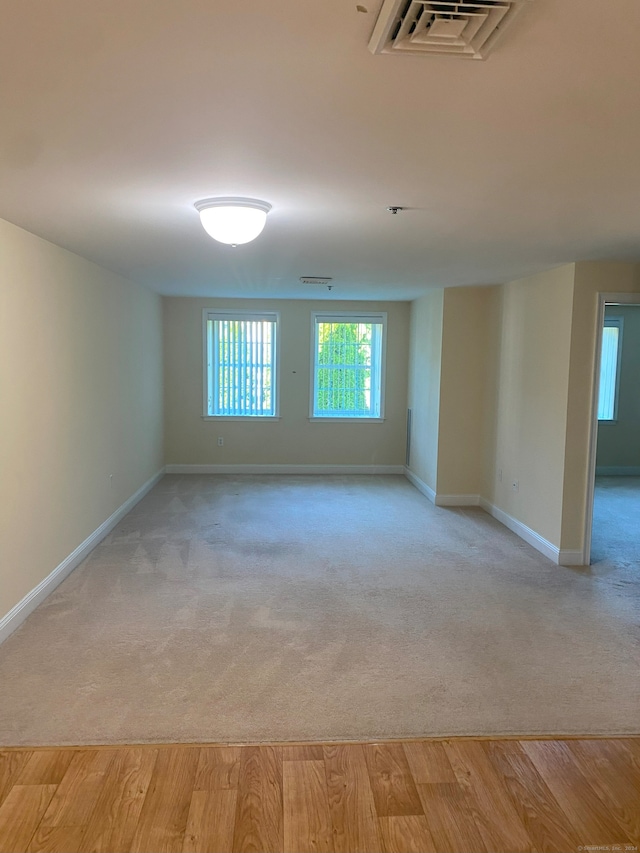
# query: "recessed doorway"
(613, 537)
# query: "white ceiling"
(116, 115)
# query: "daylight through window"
(348, 366)
(241, 365)
(609, 368)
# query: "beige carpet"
(615, 543)
(294, 608)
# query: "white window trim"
(242, 418)
(241, 314)
(614, 322)
(319, 419)
(342, 317)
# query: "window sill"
(607, 421)
(244, 418)
(346, 420)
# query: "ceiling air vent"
(314, 279)
(466, 28)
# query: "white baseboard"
(16, 616)
(420, 485)
(618, 471)
(564, 557)
(437, 499)
(560, 557)
(567, 557)
(457, 500)
(284, 469)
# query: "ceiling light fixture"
(233, 220)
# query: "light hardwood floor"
(460, 794)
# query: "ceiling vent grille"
(314, 279)
(468, 29)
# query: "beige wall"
(591, 278)
(619, 442)
(544, 396)
(293, 439)
(425, 365)
(533, 379)
(81, 398)
(467, 389)
(501, 386)
(501, 377)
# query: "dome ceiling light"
(233, 220)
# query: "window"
(348, 365)
(610, 369)
(240, 364)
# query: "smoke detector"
(467, 28)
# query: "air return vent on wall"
(466, 28)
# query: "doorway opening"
(613, 511)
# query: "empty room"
(319, 522)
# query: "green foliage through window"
(347, 375)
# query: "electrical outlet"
(515, 485)
(220, 441)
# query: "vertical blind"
(241, 359)
(609, 370)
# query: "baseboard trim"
(568, 557)
(16, 616)
(562, 557)
(618, 471)
(530, 536)
(284, 469)
(420, 485)
(457, 500)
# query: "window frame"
(207, 365)
(618, 323)
(348, 317)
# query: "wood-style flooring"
(460, 794)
